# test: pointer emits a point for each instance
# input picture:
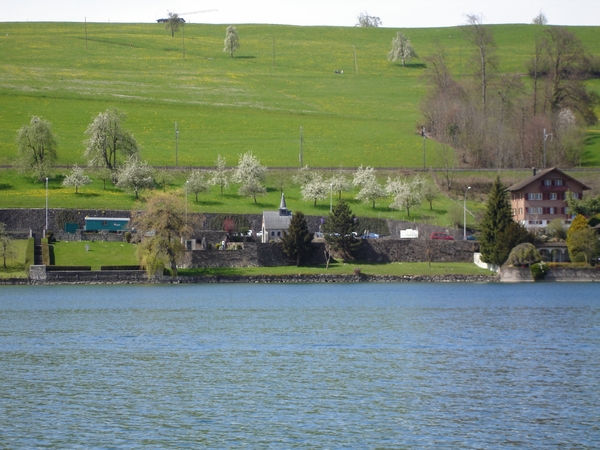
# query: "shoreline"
(262, 279)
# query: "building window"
(534, 196)
(279, 233)
(551, 210)
(575, 195)
(558, 182)
(553, 196)
(535, 210)
(520, 210)
(547, 182)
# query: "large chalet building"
(541, 198)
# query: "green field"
(281, 79)
(96, 254)
(16, 266)
(392, 269)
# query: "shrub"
(357, 271)
(538, 271)
(45, 252)
(523, 255)
(127, 236)
(30, 253)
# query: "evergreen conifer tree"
(297, 240)
(338, 229)
(495, 226)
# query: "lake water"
(300, 366)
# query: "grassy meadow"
(96, 254)
(340, 268)
(282, 78)
(17, 265)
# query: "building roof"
(104, 219)
(274, 221)
(540, 174)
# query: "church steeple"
(283, 211)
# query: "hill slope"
(282, 78)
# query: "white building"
(274, 223)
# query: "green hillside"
(281, 79)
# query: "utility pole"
(301, 140)
(424, 139)
(546, 137)
(176, 144)
(465, 215)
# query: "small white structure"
(409, 233)
(274, 223)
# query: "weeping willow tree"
(163, 227)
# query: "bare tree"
(173, 23)
(540, 19)
(437, 70)
(566, 62)
(6, 249)
(481, 36)
(367, 21)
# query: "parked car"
(441, 236)
(471, 238)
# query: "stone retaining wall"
(416, 250)
(325, 278)
(39, 275)
(80, 235)
(567, 274)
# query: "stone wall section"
(566, 274)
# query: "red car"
(442, 236)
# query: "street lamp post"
(465, 215)
(45, 231)
(186, 200)
(331, 197)
(546, 137)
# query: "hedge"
(30, 253)
(68, 268)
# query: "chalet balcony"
(554, 188)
